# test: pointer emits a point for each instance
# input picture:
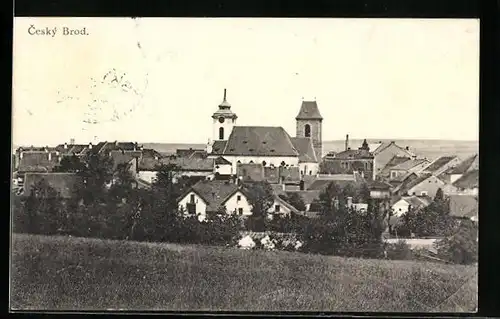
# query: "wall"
(294, 161)
(227, 125)
(147, 176)
(225, 169)
(454, 177)
(305, 168)
(200, 204)
(316, 134)
(400, 207)
(232, 204)
(430, 185)
(454, 162)
(334, 166)
(284, 211)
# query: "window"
(393, 174)
(283, 163)
(191, 200)
(301, 172)
(251, 162)
(423, 193)
(277, 208)
(221, 133)
(238, 198)
(264, 163)
(240, 211)
(310, 172)
(307, 130)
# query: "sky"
(371, 78)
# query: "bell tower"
(309, 124)
(223, 121)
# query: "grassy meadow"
(63, 273)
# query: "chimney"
(65, 145)
(142, 148)
(407, 148)
(50, 156)
(347, 142)
(72, 141)
(213, 195)
(90, 145)
(283, 187)
(46, 149)
(21, 154)
(349, 202)
(135, 146)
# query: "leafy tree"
(70, 164)
(328, 198)
(96, 173)
(295, 200)
(261, 197)
(362, 194)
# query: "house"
(400, 180)
(464, 206)
(191, 166)
(467, 165)
(320, 183)
(403, 204)
(147, 166)
(385, 152)
(425, 185)
(267, 145)
(350, 161)
(223, 168)
(441, 165)
(63, 183)
(282, 208)
(385, 173)
(307, 196)
(409, 166)
(468, 183)
(379, 190)
(190, 152)
(209, 197)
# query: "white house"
(426, 185)
(441, 165)
(209, 197)
(409, 166)
(401, 206)
(281, 207)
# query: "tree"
(461, 247)
(363, 193)
(96, 173)
(328, 198)
(295, 200)
(70, 164)
(261, 198)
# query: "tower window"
(221, 133)
(307, 130)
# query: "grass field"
(61, 273)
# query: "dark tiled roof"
(401, 178)
(406, 182)
(468, 180)
(37, 161)
(378, 185)
(418, 201)
(215, 193)
(415, 181)
(305, 148)
(307, 196)
(250, 172)
(123, 157)
(309, 111)
(438, 163)
(222, 161)
(286, 204)
(463, 206)
(320, 184)
(259, 141)
(150, 153)
(290, 174)
(63, 183)
(187, 152)
(465, 165)
(191, 164)
(272, 174)
(218, 147)
(353, 154)
(409, 164)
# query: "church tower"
(309, 124)
(223, 121)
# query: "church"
(270, 146)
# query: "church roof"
(224, 109)
(305, 148)
(309, 111)
(259, 141)
(218, 147)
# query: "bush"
(399, 251)
(461, 247)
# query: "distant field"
(89, 274)
(423, 148)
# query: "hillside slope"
(91, 274)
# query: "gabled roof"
(409, 164)
(463, 206)
(353, 154)
(63, 183)
(468, 180)
(37, 161)
(320, 184)
(385, 145)
(466, 165)
(395, 161)
(222, 161)
(218, 147)
(286, 204)
(305, 148)
(187, 152)
(191, 164)
(379, 185)
(309, 111)
(417, 180)
(307, 196)
(259, 141)
(438, 163)
(215, 193)
(123, 157)
(401, 178)
(407, 182)
(417, 201)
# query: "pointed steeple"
(309, 111)
(225, 104)
(364, 146)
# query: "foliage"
(295, 200)
(461, 247)
(97, 172)
(399, 251)
(70, 164)
(260, 197)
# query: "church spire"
(225, 104)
